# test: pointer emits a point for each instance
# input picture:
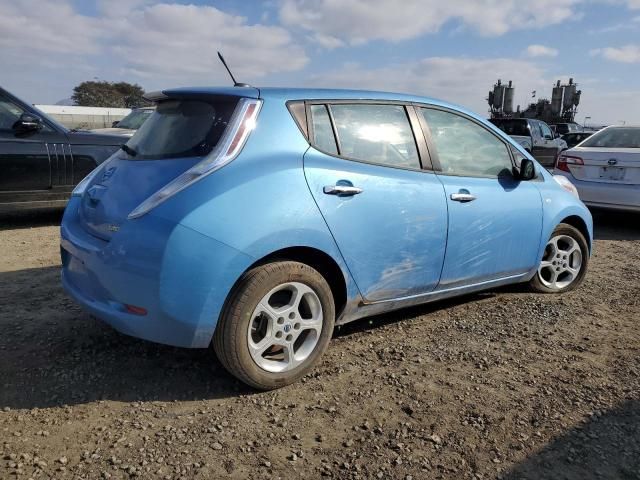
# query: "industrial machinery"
(562, 107)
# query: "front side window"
(9, 114)
(464, 147)
(546, 131)
(375, 133)
(181, 128)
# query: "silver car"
(605, 168)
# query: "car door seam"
(306, 180)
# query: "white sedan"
(605, 168)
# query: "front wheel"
(564, 261)
(276, 325)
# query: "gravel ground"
(504, 384)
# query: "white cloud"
(541, 51)
(29, 27)
(625, 54)
(460, 80)
(356, 21)
(180, 42)
(157, 44)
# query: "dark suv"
(40, 160)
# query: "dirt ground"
(505, 384)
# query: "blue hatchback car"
(255, 220)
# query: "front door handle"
(341, 190)
(462, 197)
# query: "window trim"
(421, 148)
(312, 134)
(299, 117)
(435, 158)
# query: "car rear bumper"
(179, 276)
(606, 195)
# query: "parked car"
(605, 168)
(214, 233)
(535, 136)
(573, 139)
(40, 160)
(564, 128)
(129, 124)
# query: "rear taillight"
(565, 160)
(242, 122)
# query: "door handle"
(462, 197)
(341, 190)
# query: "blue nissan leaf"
(255, 220)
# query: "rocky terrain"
(504, 384)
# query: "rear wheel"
(276, 325)
(564, 261)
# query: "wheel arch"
(577, 222)
(321, 261)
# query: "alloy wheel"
(561, 262)
(285, 327)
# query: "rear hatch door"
(181, 132)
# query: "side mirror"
(115, 124)
(527, 170)
(27, 123)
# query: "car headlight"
(565, 183)
(82, 186)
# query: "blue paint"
(400, 242)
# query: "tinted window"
(512, 127)
(376, 133)
(9, 114)
(181, 128)
(615, 137)
(464, 147)
(322, 131)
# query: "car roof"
(289, 94)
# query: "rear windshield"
(512, 127)
(616, 137)
(181, 128)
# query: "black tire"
(537, 285)
(230, 338)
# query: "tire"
(564, 253)
(251, 311)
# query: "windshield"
(181, 128)
(512, 127)
(615, 137)
(135, 119)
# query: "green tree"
(108, 94)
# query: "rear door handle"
(462, 197)
(341, 190)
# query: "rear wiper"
(128, 150)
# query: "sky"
(453, 50)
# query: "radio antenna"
(235, 84)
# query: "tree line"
(109, 94)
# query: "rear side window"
(464, 147)
(181, 128)
(376, 133)
(512, 127)
(323, 137)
